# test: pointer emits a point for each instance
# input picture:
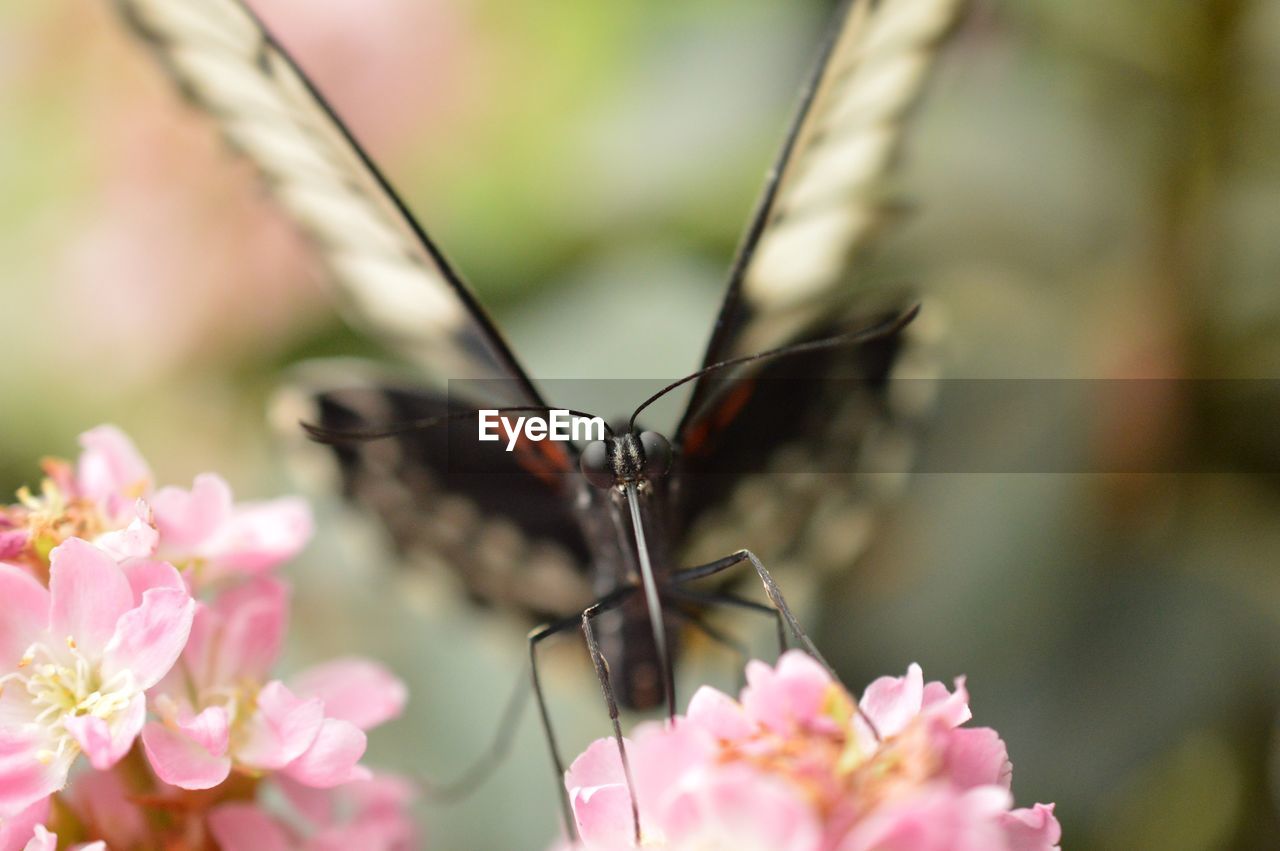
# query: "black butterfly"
(798, 360)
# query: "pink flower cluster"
(139, 628)
(793, 764)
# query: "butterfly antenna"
(880, 330)
(652, 600)
(341, 436)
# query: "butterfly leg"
(729, 600)
(770, 588)
(536, 637)
(606, 686)
(779, 604)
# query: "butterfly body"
(625, 634)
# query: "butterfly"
(611, 537)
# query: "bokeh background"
(1096, 194)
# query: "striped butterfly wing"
(794, 280)
(391, 278)
(508, 532)
(825, 199)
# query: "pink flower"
(793, 764)
(220, 710)
(96, 629)
(201, 529)
(109, 498)
(77, 659)
(370, 814)
(111, 473)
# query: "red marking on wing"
(718, 417)
(545, 459)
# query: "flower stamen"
(61, 687)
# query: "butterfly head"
(626, 457)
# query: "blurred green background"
(1097, 195)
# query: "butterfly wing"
(499, 521)
(832, 411)
(825, 201)
(792, 461)
(390, 276)
(443, 498)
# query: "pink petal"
(332, 758)
(937, 819)
(377, 807)
(259, 536)
(88, 592)
(253, 619)
(137, 540)
(598, 765)
(105, 744)
(144, 574)
(210, 729)
(1034, 829)
(244, 827)
(12, 543)
(661, 756)
(110, 468)
(355, 690)
(183, 761)
(740, 808)
(15, 830)
(718, 714)
(42, 840)
(318, 806)
(951, 707)
(194, 668)
(150, 638)
(598, 796)
(102, 799)
(891, 702)
(93, 734)
(187, 518)
(25, 781)
(977, 757)
(383, 795)
(17, 712)
(603, 815)
(24, 616)
(281, 730)
(794, 693)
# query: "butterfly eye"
(657, 454)
(595, 464)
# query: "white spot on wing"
(802, 256)
(828, 201)
(396, 285)
(401, 297)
